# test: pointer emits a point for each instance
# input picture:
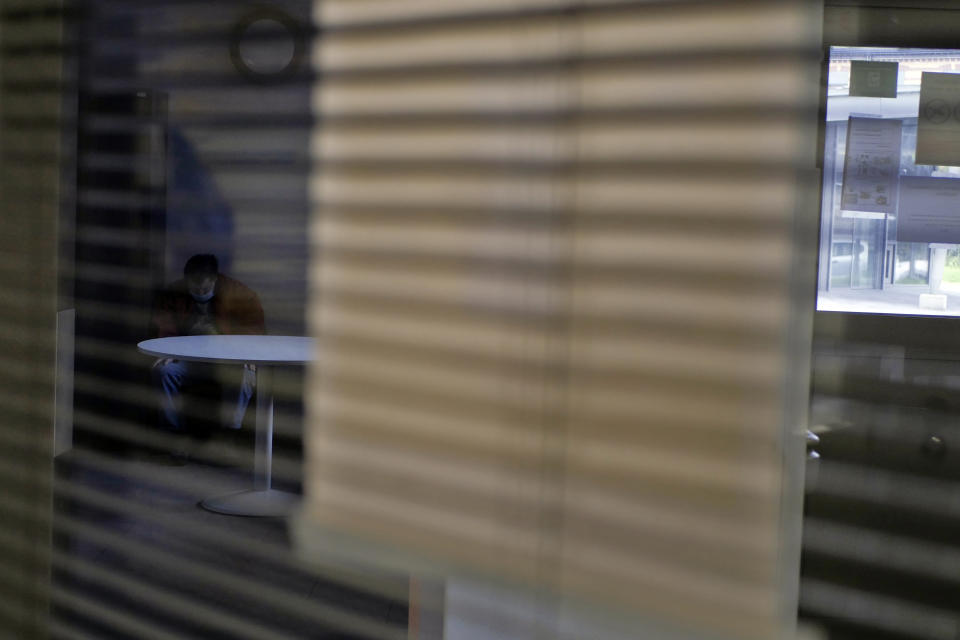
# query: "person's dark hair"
(202, 264)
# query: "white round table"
(265, 352)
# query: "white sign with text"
(929, 210)
(871, 166)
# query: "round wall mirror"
(267, 44)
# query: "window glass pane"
(869, 261)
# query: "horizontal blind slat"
(499, 185)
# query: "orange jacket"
(236, 309)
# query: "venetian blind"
(130, 139)
(552, 289)
(29, 191)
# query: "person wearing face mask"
(204, 302)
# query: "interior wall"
(180, 153)
(237, 153)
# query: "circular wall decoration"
(267, 45)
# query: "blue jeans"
(227, 390)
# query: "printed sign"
(938, 121)
(873, 79)
(929, 210)
(872, 165)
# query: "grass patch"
(951, 273)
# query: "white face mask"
(201, 289)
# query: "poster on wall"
(938, 119)
(929, 210)
(871, 167)
(873, 79)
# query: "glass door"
(912, 263)
(866, 254)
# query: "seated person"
(205, 302)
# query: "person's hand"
(162, 362)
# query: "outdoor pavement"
(899, 301)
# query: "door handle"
(934, 447)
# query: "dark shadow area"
(146, 551)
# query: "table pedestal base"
(264, 502)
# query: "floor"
(136, 557)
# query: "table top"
(232, 349)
